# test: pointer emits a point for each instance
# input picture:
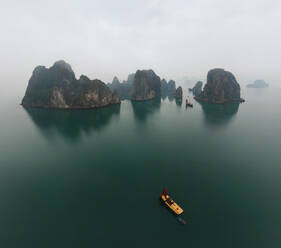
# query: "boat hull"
(171, 205)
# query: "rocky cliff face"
(57, 87)
(146, 86)
(178, 93)
(221, 87)
(197, 89)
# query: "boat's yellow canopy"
(172, 205)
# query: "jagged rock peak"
(115, 80)
(62, 64)
(38, 69)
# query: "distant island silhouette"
(258, 84)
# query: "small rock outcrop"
(57, 87)
(178, 93)
(258, 84)
(197, 89)
(221, 87)
(168, 88)
(146, 86)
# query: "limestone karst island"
(57, 87)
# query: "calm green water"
(93, 178)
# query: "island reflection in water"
(219, 114)
(72, 123)
(170, 97)
(143, 109)
(179, 102)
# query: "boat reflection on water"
(219, 114)
(70, 124)
(143, 109)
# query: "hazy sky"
(175, 38)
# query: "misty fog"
(177, 39)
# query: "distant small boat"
(188, 103)
(181, 220)
(169, 202)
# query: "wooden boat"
(188, 103)
(169, 202)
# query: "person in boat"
(170, 201)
